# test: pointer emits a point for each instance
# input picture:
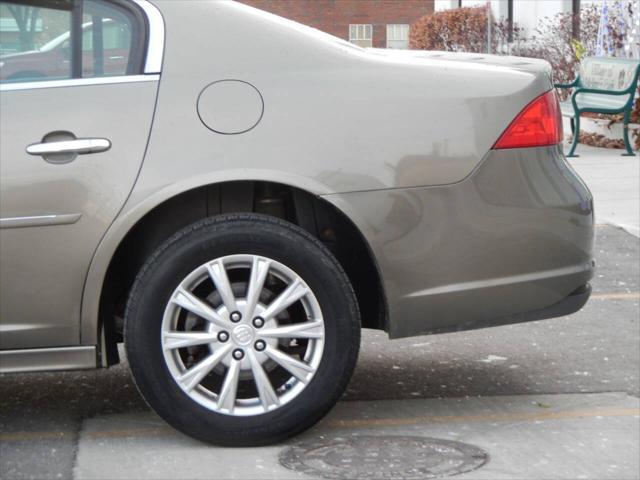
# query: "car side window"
(63, 39)
(34, 42)
(106, 40)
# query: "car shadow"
(404, 369)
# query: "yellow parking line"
(45, 435)
(355, 423)
(135, 433)
(35, 436)
(616, 296)
(502, 417)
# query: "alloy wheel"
(242, 335)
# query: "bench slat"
(608, 73)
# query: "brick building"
(368, 23)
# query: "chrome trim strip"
(155, 50)
(48, 359)
(78, 82)
(40, 221)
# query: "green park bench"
(604, 85)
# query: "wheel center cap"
(243, 335)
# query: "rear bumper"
(571, 304)
(513, 242)
(568, 305)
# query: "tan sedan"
(239, 195)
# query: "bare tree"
(26, 18)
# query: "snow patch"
(493, 359)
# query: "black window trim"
(75, 39)
(139, 37)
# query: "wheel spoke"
(268, 396)
(192, 377)
(190, 302)
(296, 330)
(218, 275)
(225, 350)
(259, 271)
(295, 367)
(173, 340)
(292, 294)
(227, 397)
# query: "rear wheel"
(242, 330)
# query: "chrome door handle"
(80, 146)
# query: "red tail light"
(538, 125)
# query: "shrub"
(465, 30)
(458, 30)
(553, 41)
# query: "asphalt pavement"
(550, 399)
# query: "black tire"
(230, 235)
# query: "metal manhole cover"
(383, 457)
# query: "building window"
(398, 36)
(361, 35)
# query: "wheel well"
(309, 212)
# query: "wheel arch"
(123, 251)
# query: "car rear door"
(71, 148)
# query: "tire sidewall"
(218, 238)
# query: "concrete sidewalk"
(614, 181)
(526, 437)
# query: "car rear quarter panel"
(347, 119)
(336, 118)
(516, 236)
